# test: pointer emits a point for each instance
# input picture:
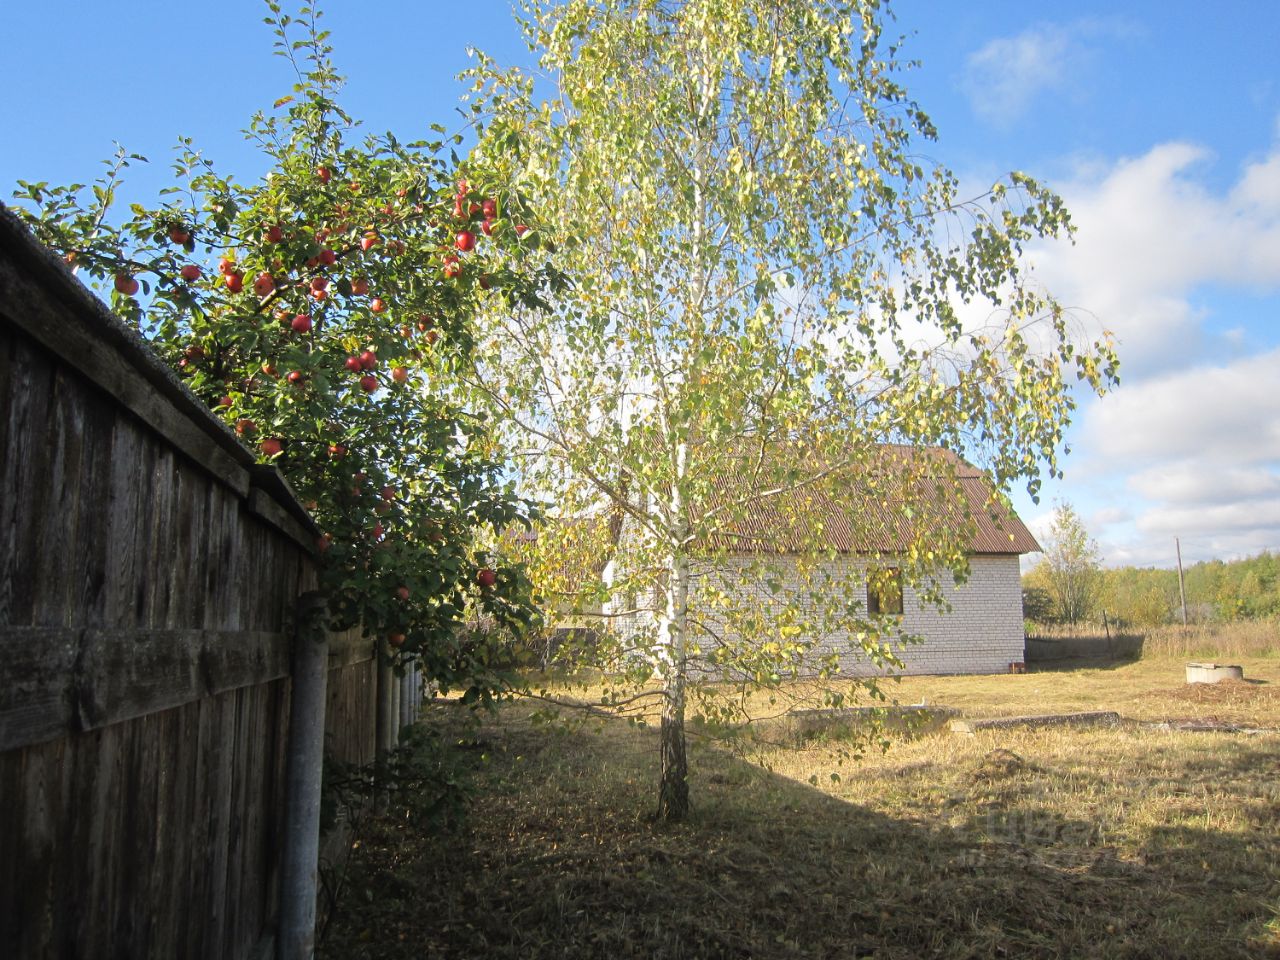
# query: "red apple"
(369, 383)
(521, 229)
(126, 284)
(337, 451)
(486, 577)
(225, 402)
(378, 531)
(226, 265)
(388, 493)
(273, 234)
(271, 446)
(353, 364)
(263, 284)
(368, 241)
(452, 268)
(235, 281)
(323, 543)
(179, 236)
(323, 174)
(301, 323)
(399, 374)
(328, 257)
(245, 426)
(489, 208)
(368, 360)
(432, 336)
(395, 639)
(268, 368)
(360, 286)
(402, 593)
(377, 306)
(487, 227)
(190, 272)
(319, 294)
(319, 283)
(465, 240)
(296, 377)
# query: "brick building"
(856, 570)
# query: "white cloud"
(1005, 76)
(1099, 520)
(1259, 188)
(1190, 443)
(1221, 417)
(1149, 235)
(1195, 482)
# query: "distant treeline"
(1144, 596)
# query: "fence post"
(416, 690)
(298, 874)
(385, 736)
(406, 696)
(395, 711)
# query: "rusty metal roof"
(906, 496)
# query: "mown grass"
(1061, 842)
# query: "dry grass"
(1128, 842)
(1148, 689)
(1244, 638)
(1251, 638)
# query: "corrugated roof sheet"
(907, 496)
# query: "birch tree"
(1071, 567)
(770, 282)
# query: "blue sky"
(1158, 122)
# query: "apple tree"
(314, 312)
(772, 283)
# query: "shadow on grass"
(1070, 664)
(559, 859)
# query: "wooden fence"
(149, 571)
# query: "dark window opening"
(884, 591)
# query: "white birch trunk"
(673, 792)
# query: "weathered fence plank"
(61, 680)
(148, 573)
(99, 353)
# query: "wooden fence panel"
(148, 573)
(351, 711)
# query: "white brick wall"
(981, 633)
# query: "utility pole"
(1182, 586)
